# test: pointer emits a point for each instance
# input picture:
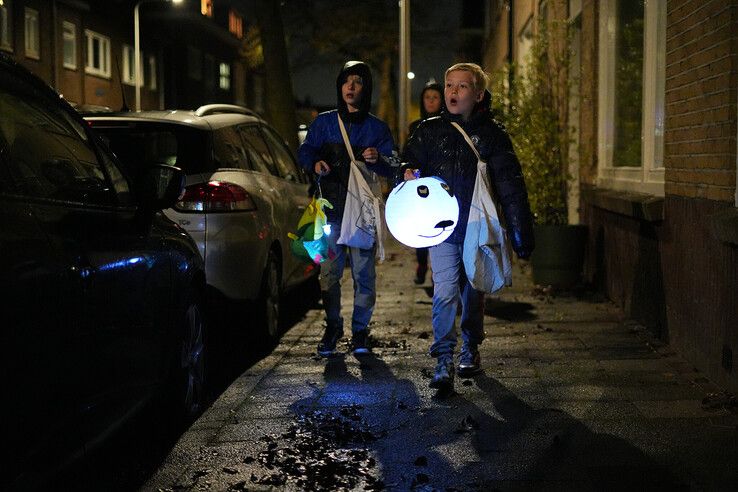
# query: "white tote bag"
(361, 225)
(486, 248)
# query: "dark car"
(101, 293)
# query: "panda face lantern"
(422, 212)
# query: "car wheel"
(270, 298)
(191, 362)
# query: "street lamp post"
(137, 48)
(404, 81)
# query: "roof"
(209, 117)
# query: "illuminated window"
(98, 54)
(206, 7)
(235, 24)
(6, 25)
(225, 76)
(32, 39)
(69, 36)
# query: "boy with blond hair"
(438, 148)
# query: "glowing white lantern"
(422, 212)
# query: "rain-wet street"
(572, 397)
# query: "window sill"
(724, 226)
(640, 206)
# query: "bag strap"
(468, 140)
(345, 138)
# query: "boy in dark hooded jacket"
(431, 104)
(437, 148)
(324, 153)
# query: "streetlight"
(137, 47)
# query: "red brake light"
(215, 196)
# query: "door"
(113, 277)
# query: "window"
(32, 39)
(228, 149)
(152, 72)
(69, 39)
(50, 154)
(631, 81)
(206, 8)
(282, 156)
(129, 65)
(225, 76)
(6, 25)
(256, 144)
(194, 63)
(235, 24)
(98, 54)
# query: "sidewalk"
(572, 398)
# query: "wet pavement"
(572, 397)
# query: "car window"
(282, 156)
(138, 144)
(253, 140)
(228, 149)
(49, 154)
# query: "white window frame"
(31, 34)
(128, 73)
(224, 81)
(6, 25)
(151, 63)
(104, 70)
(69, 35)
(649, 176)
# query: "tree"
(280, 101)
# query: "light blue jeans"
(364, 275)
(450, 284)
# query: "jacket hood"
(362, 70)
(431, 86)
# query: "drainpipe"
(54, 51)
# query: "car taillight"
(215, 196)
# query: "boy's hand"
(322, 168)
(411, 174)
(370, 155)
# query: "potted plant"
(535, 115)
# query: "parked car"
(244, 193)
(101, 293)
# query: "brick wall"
(701, 87)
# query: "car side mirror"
(160, 186)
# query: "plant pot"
(559, 254)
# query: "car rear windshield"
(138, 144)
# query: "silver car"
(244, 193)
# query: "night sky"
(429, 58)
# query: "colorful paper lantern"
(422, 212)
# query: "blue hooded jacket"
(324, 141)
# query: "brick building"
(653, 107)
(191, 51)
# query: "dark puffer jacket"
(438, 149)
(430, 86)
(324, 141)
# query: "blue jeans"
(363, 274)
(450, 284)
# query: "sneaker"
(360, 342)
(443, 379)
(327, 345)
(420, 274)
(469, 362)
